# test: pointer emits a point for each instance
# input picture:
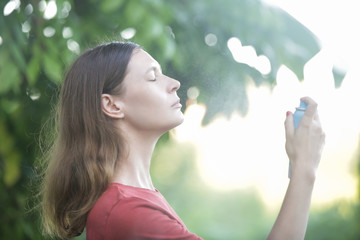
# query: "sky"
(334, 22)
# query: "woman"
(115, 103)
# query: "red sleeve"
(137, 219)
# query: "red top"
(125, 212)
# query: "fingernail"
(288, 113)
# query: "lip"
(177, 104)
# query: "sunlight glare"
(28, 9)
(25, 27)
(64, 13)
(189, 130)
(193, 93)
(50, 10)
(263, 65)
(247, 55)
(49, 31)
(11, 6)
(67, 32)
(73, 46)
(128, 33)
(42, 5)
(210, 39)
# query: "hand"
(304, 145)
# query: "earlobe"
(111, 106)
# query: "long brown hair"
(87, 146)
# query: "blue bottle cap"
(303, 106)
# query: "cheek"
(145, 102)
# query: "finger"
(289, 125)
(316, 117)
(310, 112)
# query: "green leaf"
(52, 68)
(339, 75)
(10, 156)
(108, 6)
(9, 77)
(32, 70)
(9, 106)
(18, 56)
(154, 27)
(134, 12)
(12, 169)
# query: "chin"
(181, 118)
(180, 122)
(177, 122)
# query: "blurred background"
(241, 63)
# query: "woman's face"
(149, 99)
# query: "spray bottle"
(298, 114)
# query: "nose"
(174, 85)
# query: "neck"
(134, 168)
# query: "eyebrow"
(154, 68)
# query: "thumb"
(289, 125)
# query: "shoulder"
(129, 213)
(141, 212)
(120, 207)
(99, 214)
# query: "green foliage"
(11, 164)
(35, 53)
(335, 222)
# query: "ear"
(112, 106)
